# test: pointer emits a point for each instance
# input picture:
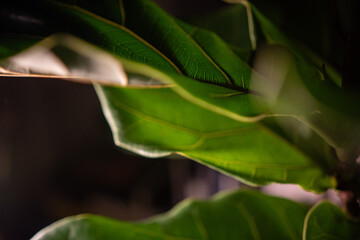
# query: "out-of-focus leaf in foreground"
(325, 106)
(68, 58)
(328, 222)
(308, 89)
(237, 215)
(233, 25)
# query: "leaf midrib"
(218, 134)
(214, 134)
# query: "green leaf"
(237, 215)
(156, 122)
(327, 221)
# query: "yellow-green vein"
(250, 220)
(200, 226)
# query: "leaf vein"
(250, 220)
(204, 53)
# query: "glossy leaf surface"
(238, 215)
(156, 122)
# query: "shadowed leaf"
(327, 221)
(238, 215)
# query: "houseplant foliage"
(260, 108)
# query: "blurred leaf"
(68, 58)
(326, 221)
(237, 215)
(231, 24)
(320, 78)
(306, 58)
(314, 23)
(314, 97)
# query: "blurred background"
(57, 157)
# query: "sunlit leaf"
(156, 121)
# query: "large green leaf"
(156, 121)
(326, 221)
(238, 215)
